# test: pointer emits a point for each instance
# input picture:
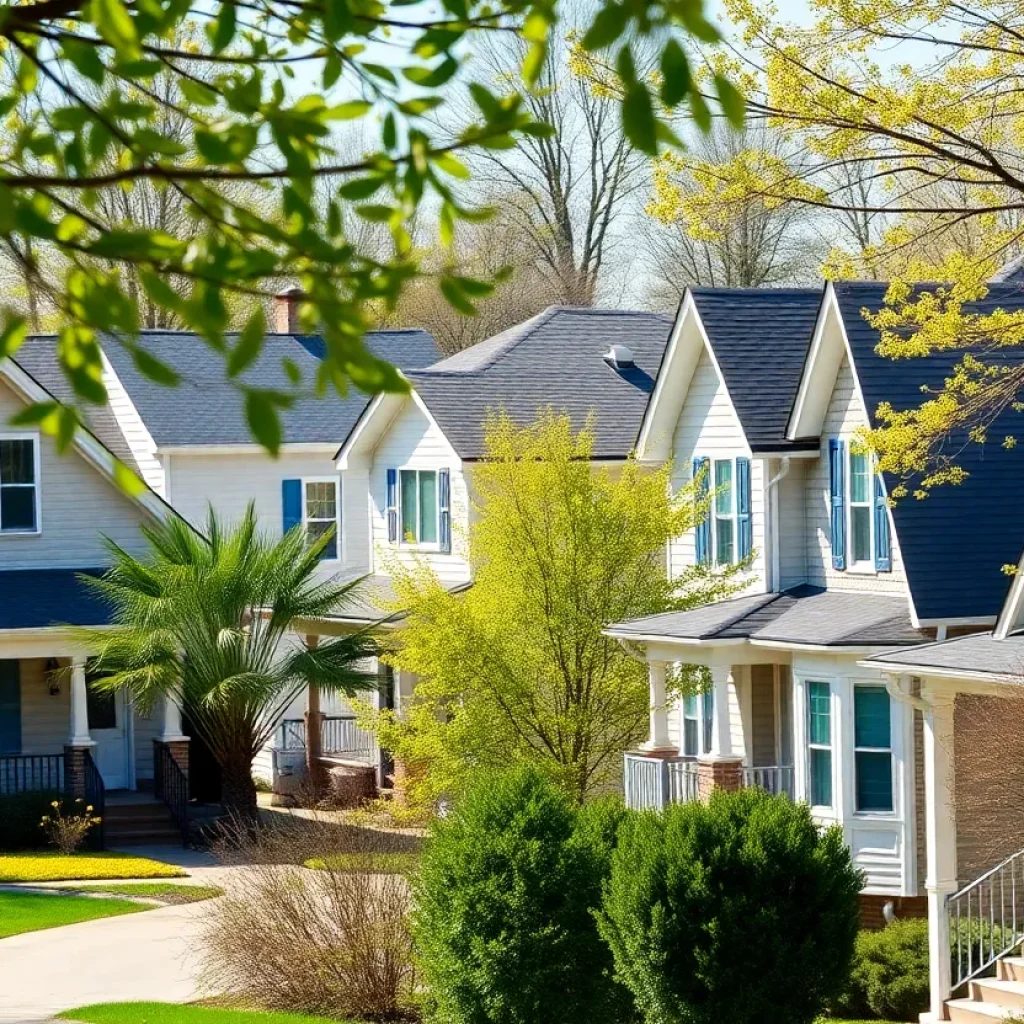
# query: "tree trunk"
(238, 791)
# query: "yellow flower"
(55, 803)
(88, 808)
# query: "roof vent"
(619, 356)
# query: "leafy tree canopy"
(261, 88)
(517, 668)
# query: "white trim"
(336, 480)
(796, 417)
(1010, 614)
(286, 448)
(963, 620)
(343, 455)
(864, 567)
(932, 671)
(131, 425)
(418, 545)
(37, 482)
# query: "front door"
(108, 728)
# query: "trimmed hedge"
(21, 814)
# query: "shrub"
(325, 942)
(21, 814)
(740, 910)
(504, 924)
(67, 827)
(890, 972)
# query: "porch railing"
(95, 795)
(986, 919)
(21, 773)
(339, 735)
(170, 784)
(777, 779)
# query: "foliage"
(84, 92)
(165, 892)
(67, 828)
(21, 814)
(376, 864)
(504, 903)
(56, 867)
(175, 1013)
(890, 972)
(747, 879)
(22, 912)
(208, 623)
(517, 668)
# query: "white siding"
(792, 530)
(708, 426)
(844, 417)
(45, 720)
(79, 505)
(147, 728)
(138, 438)
(414, 441)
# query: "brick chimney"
(286, 311)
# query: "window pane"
(723, 488)
(321, 500)
(690, 706)
(17, 508)
(690, 737)
(101, 708)
(17, 465)
(820, 715)
(871, 717)
(860, 523)
(428, 508)
(874, 781)
(708, 711)
(859, 477)
(821, 778)
(724, 529)
(316, 530)
(409, 510)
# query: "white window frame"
(696, 719)
(890, 750)
(17, 435)
(417, 544)
(306, 520)
(832, 809)
(731, 516)
(868, 566)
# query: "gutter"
(773, 492)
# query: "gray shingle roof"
(804, 615)
(206, 409)
(760, 337)
(954, 542)
(36, 598)
(375, 598)
(553, 360)
(978, 653)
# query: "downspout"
(773, 492)
(892, 687)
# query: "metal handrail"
(170, 784)
(95, 793)
(21, 773)
(986, 919)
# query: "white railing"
(986, 919)
(683, 782)
(339, 737)
(645, 781)
(776, 778)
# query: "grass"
(370, 863)
(167, 1013)
(166, 892)
(51, 866)
(31, 912)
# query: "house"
(866, 668)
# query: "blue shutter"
(291, 503)
(744, 528)
(837, 486)
(444, 489)
(883, 548)
(10, 707)
(392, 506)
(702, 535)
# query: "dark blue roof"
(36, 598)
(760, 337)
(207, 409)
(954, 542)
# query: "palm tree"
(209, 620)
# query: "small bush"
(504, 922)
(890, 972)
(68, 826)
(21, 814)
(737, 911)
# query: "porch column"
(316, 771)
(658, 738)
(719, 768)
(79, 741)
(173, 739)
(940, 835)
(405, 689)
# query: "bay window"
(872, 748)
(819, 743)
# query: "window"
(725, 513)
(19, 485)
(861, 547)
(320, 512)
(707, 702)
(691, 725)
(419, 509)
(872, 748)
(819, 742)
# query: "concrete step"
(138, 820)
(1011, 968)
(970, 1011)
(999, 992)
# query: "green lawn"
(168, 1013)
(168, 892)
(30, 912)
(375, 863)
(51, 866)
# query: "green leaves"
(732, 102)
(638, 121)
(115, 25)
(675, 74)
(262, 416)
